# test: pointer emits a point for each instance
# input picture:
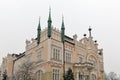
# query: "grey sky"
(19, 20)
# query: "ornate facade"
(49, 55)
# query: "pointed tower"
(90, 29)
(38, 32)
(62, 30)
(49, 23)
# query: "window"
(79, 76)
(56, 54)
(56, 74)
(80, 59)
(39, 75)
(93, 77)
(68, 57)
(82, 76)
(93, 61)
(38, 54)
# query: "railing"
(87, 65)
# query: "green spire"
(63, 26)
(38, 32)
(49, 23)
(49, 18)
(62, 30)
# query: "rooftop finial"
(63, 26)
(84, 35)
(39, 19)
(90, 29)
(62, 18)
(49, 19)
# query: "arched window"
(93, 61)
(39, 75)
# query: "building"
(0, 73)
(7, 65)
(50, 55)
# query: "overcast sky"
(19, 20)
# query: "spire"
(49, 23)
(63, 26)
(38, 32)
(90, 29)
(49, 18)
(62, 30)
(39, 27)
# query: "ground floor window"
(39, 75)
(56, 74)
(82, 76)
(79, 76)
(93, 77)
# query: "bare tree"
(112, 76)
(24, 72)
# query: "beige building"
(7, 64)
(0, 73)
(46, 57)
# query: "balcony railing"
(87, 65)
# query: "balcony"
(87, 65)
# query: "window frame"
(56, 53)
(55, 74)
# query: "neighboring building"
(48, 51)
(0, 73)
(7, 65)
